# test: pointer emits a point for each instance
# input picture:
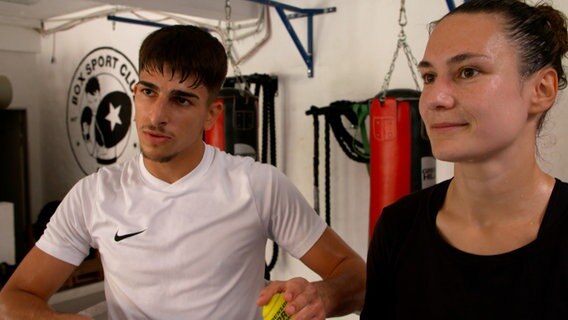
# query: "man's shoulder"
(113, 171)
(230, 161)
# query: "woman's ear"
(215, 109)
(545, 90)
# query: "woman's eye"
(468, 73)
(427, 78)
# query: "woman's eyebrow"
(453, 60)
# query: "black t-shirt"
(412, 273)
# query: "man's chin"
(158, 158)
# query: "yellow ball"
(274, 309)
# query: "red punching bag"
(236, 128)
(401, 157)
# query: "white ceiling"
(32, 12)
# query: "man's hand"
(341, 290)
(302, 297)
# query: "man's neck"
(177, 167)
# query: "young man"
(182, 228)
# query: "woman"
(492, 242)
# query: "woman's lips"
(447, 126)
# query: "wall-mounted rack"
(135, 21)
(281, 8)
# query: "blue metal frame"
(135, 21)
(307, 55)
(114, 18)
(452, 5)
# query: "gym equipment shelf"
(307, 54)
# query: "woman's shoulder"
(418, 199)
(418, 203)
(560, 186)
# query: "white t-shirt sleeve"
(288, 218)
(66, 236)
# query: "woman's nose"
(437, 95)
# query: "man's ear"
(545, 90)
(215, 109)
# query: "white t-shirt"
(194, 249)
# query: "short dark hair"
(187, 51)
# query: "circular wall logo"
(100, 109)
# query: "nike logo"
(118, 238)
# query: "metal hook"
(402, 20)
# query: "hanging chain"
(229, 26)
(401, 43)
(236, 70)
(402, 20)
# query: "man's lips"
(155, 137)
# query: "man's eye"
(182, 101)
(146, 91)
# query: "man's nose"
(159, 112)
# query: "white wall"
(353, 49)
(61, 168)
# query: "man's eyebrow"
(148, 84)
(173, 93)
(453, 60)
(185, 94)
